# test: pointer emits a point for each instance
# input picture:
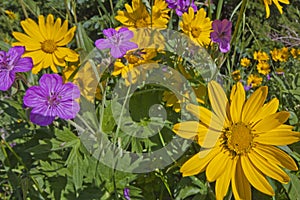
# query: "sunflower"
(45, 42)
(197, 26)
(240, 137)
(276, 2)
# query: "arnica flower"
(260, 56)
(295, 52)
(11, 14)
(280, 55)
(12, 62)
(263, 67)
(254, 80)
(197, 26)
(137, 16)
(181, 6)
(52, 99)
(221, 34)
(117, 41)
(240, 137)
(45, 43)
(276, 2)
(236, 75)
(245, 62)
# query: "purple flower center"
(4, 63)
(53, 100)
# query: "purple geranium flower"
(51, 99)
(126, 193)
(222, 34)
(117, 41)
(181, 6)
(11, 62)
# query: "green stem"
(237, 26)
(219, 9)
(23, 8)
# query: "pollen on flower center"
(196, 32)
(49, 46)
(239, 138)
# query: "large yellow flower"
(240, 137)
(137, 16)
(276, 2)
(198, 27)
(45, 43)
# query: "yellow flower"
(245, 62)
(240, 138)
(263, 68)
(11, 14)
(172, 101)
(128, 69)
(260, 56)
(137, 16)
(280, 55)
(294, 52)
(198, 27)
(236, 75)
(254, 80)
(276, 2)
(45, 43)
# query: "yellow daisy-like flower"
(280, 55)
(276, 2)
(263, 68)
(254, 80)
(137, 16)
(240, 137)
(128, 70)
(11, 14)
(260, 56)
(197, 26)
(236, 75)
(245, 62)
(45, 42)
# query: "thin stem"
(237, 26)
(68, 11)
(219, 9)
(23, 8)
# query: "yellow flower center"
(196, 32)
(141, 23)
(239, 138)
(49, 46)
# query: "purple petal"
(34, 96)
(23, 65)
(16, 52)
(126, 193)
(128, 46)
(103, 44)
(224, 47)
(109, 32)
(127, 34)
(67, 109)
(7, 78)
(123, 29)
(40, 119)
(117, 52)
(51, 83)
(69, 91)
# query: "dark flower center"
(4, 64)
(53, 100)
(49, 46)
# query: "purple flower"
(126, 194)
(221, 34)
(117, 41)
(181, 6)
(247, 87)
(11, 62)
(51, 99)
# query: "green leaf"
(4, 46)
(83, 41)
(32, 7)
(292, 188)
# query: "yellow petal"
(254, 104)
(29, 43)
(49, 26)
(214, 170)
(198, 162)
(57, 61)
(223, 182)
(278, 137)
(37, 68)
(268, 168)
(189, 129)
(67, 37)
(268, 109)
(255, 177)
(62, 31)
(209, 138)
(241, 187)
(271, 122)
(32, 29)
(42, 27)
(276, 156)
(267, 9)
(218, 100)
(37, 56)
(206, 116)
(237, 102)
